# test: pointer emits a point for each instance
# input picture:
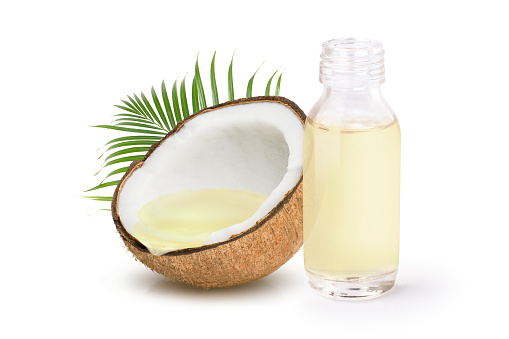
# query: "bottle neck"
(351, 82)
(372, 90)
(352, 71)
(352, 64)
(362, 107)
(358, 99)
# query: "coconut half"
(250, 144)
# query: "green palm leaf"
(159, 109)
(183, 98)
(133, 138)
(213, 85)
(133, 130)
(124, 159)
(147, 109)
(137, 107)
(151, 110)
(126, 109)
(128, 104)
(140, 125)
(278, 86)
(175, 98)
(133, 108)
(167, 105)
(120, 170)
(249, 91)
(149, 121)
(96, 198)
(194, 96)
(141, 121)
(231, 94)
(267, 88)
(130, 115)
(131, 143)
(136, 143)
(127, 151)
(199, 86)
(106, 184)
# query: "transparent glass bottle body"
(352, 146)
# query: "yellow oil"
(351, 200)
(187, 218)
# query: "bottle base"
(353, 288)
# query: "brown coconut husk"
(245, 257)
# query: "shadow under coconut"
(170, 288)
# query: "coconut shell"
(245, 257)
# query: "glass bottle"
(352, 150)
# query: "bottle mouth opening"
(351, 59)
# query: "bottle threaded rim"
(351, 61)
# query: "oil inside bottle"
(351, 201)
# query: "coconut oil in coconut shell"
(351, 176)
(186, 219)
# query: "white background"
(64, 64)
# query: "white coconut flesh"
(254, 147)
